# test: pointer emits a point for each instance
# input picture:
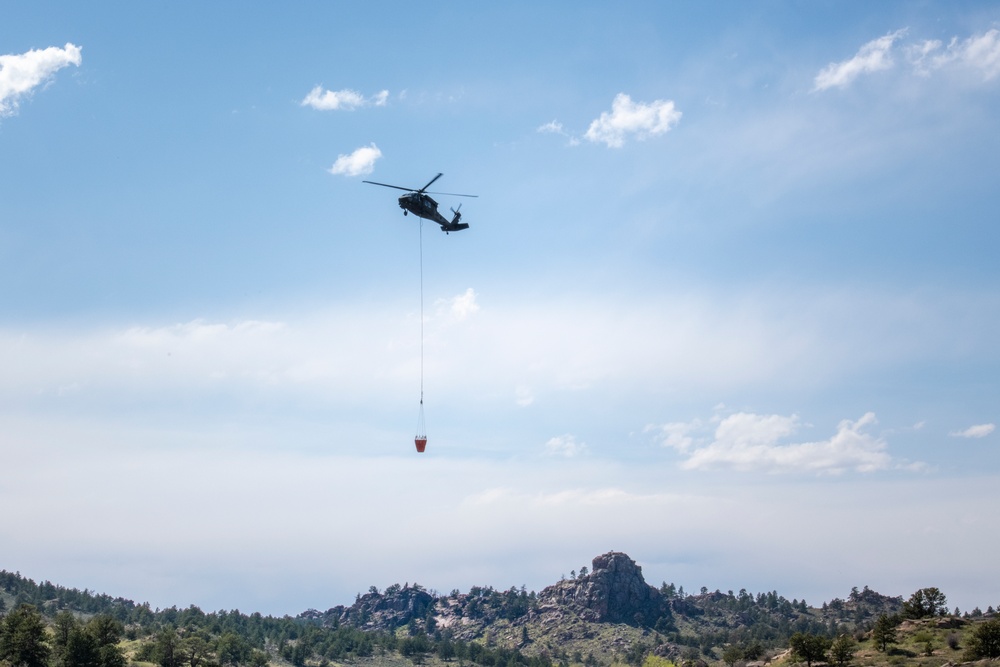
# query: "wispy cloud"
(978, 53)
(566, 446)
(342, 100)
(677, 435)
(20, 74)
(523, 396)
(552, 127)
(462, 306)
(977, 431)
(872, 57)
(749, 442)
(632, 119)
(555, 127)
(358, 163)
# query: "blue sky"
(728, 302)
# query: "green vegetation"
(810, 648)
(842, 650)
(925, 603)
(23, 638)
(985, 641)
(884, 632)
(44, 625)
(193, 638)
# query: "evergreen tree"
(23, 638)
(926, 602)
(808, 647)
(233, 650)
(731, 654)
(165, 650)
(62, 627)
(194, 650)
(81, 649)
(105, 629)
(842, 650)
(884, 632)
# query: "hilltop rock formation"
(396, 607)
(613, 592)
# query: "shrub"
(984, 642)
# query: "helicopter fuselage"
(423, 206)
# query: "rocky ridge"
(609, 609)
(613, 592)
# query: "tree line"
(45, 628)
(44, 625)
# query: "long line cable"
(421, 236)
(420, 425)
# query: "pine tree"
(23, 638)
(884, 632)
(842, 650)
(811, 648)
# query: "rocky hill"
(613, 592)
(607, 616)
(609, 609)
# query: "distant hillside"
(607, 615)
(606, 612)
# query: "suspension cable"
(421, 235)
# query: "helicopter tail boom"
(454, 225)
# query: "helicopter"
(420, 204)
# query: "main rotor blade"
(429, 184)
(448, 194)
(386, 185)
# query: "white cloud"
(980, 52)
(747, 430)
(358, 163)
(523, 396)
(977, 431)
(346, 100)
(872, 57)
(457, 308)
(749, 442)
(566, 446)
(628, 118)
(21, 74)
(922, 55)
(677, 435)
(464, 305)
(553, 127)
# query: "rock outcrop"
(613, 592)
(395, 607)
